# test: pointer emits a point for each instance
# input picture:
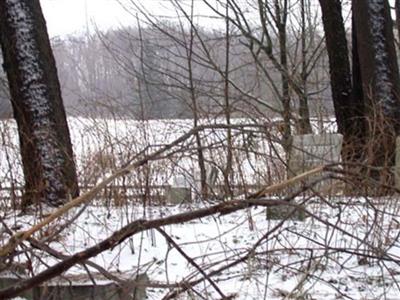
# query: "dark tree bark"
(349, 107)
(228, 170)
(46, 149)
(379, 78)
(281, 13)
(397, 10)
(304, 126)
(357, 93)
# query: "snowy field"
(103, 145)
(324, 257)
(346, 248)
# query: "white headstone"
(311, 150)
(181, 181)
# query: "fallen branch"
(281, 185)
(184, 286)
(135, 227)
(125, 232)
(22, 236)
(191, 261)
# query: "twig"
(21, 236)
(121, 235)
(191, 261)
(286, 183)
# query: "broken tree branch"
(22, 236)
(125, 232)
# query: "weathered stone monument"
(212, 175)
(73, 288)
(309, 151)
(211, 179)
(180, 191)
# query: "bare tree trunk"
(356, 138)
(397, 10)
(304, 112)
(46, 149)
(227, 107)
(144, 117)
(200, 154)
(380, 80)
(281, 19)
(348, 107)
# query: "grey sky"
(71, 16)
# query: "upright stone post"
(180, 191)
(309, 151)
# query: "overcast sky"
(71, 16)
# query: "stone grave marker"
(180, 191)
(310, 151)
(211, 179)
(71, 288)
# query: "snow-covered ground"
(346, 249)
(343, 251)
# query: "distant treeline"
(164, 71)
